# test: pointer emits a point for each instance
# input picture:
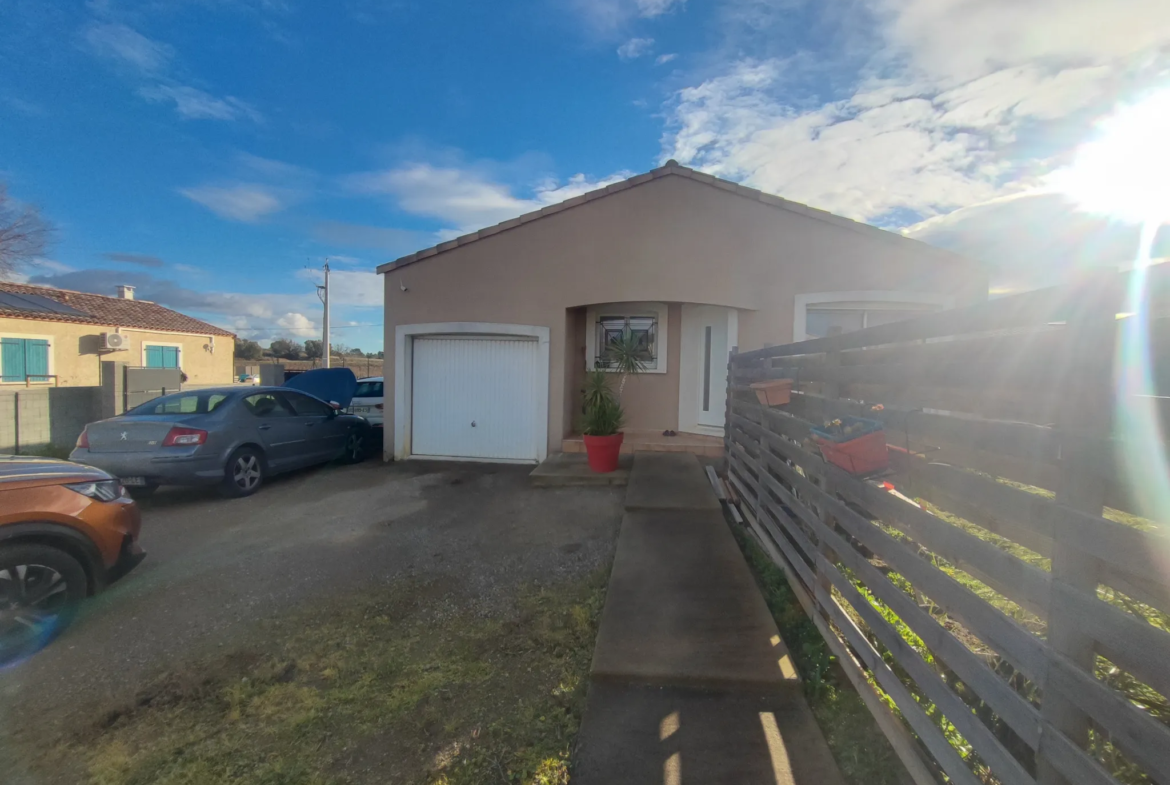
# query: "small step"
(564, 470)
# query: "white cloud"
(635, 47)
(664, 59)
(127, 47)
(260, 187)
(348, 287)
(194, 104)
(648, 9)
(466, 199)
(149, 62)
(1035, 239)
(245, 202)
(610, 16)
(938, 119)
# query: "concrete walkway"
(691, 682)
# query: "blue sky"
(214, 152)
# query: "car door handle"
(310, 424)
(263, 427)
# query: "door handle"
(310, 424)
(263, 427)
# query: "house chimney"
(125, 292)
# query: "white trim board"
(404, 335)
(862, 298)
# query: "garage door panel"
(474, 398)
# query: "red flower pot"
(603, 452)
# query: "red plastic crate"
(863, 455)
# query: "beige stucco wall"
(671, 240)
(76, 360)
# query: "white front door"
(474, 397)
(708, 333)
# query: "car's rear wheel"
(355, 447)
(244, 473)
(41, 588)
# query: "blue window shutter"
(12, 356)
(154, 357)
(36, 359)
(170, 357)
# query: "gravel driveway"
(222, 573)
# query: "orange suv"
(66, 531)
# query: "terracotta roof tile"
(109, 311)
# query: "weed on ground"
(406, 688)
(861, 750)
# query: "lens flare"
(1125, 174)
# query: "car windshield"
(368, 390)
(201, 402)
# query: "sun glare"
(1125, 172)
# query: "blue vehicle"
(227, 436)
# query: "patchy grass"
(862, 752)
(405, 688)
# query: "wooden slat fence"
(997, 585)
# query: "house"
(56, 337)
(488, 336)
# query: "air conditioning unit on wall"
(113, 341)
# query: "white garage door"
(475, 397)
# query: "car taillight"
(377, 406)
(178, 437)
(83, 439)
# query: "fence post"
(727, 410)
(831, 389)
(1084, 417)
(16, 424)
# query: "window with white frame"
(644, 323)
(820, 322)
(822, 315)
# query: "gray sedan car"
(225, 436)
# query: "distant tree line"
(289, 349)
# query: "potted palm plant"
(603, 413)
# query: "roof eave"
(670, 168)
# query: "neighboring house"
(488, 336)
(52, 336)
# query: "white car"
(367, 400)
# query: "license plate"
(133, 481)
(361, 410)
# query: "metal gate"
(144, 384)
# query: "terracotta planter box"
(775, 392)
(603, 452)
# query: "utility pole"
(323, 291)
